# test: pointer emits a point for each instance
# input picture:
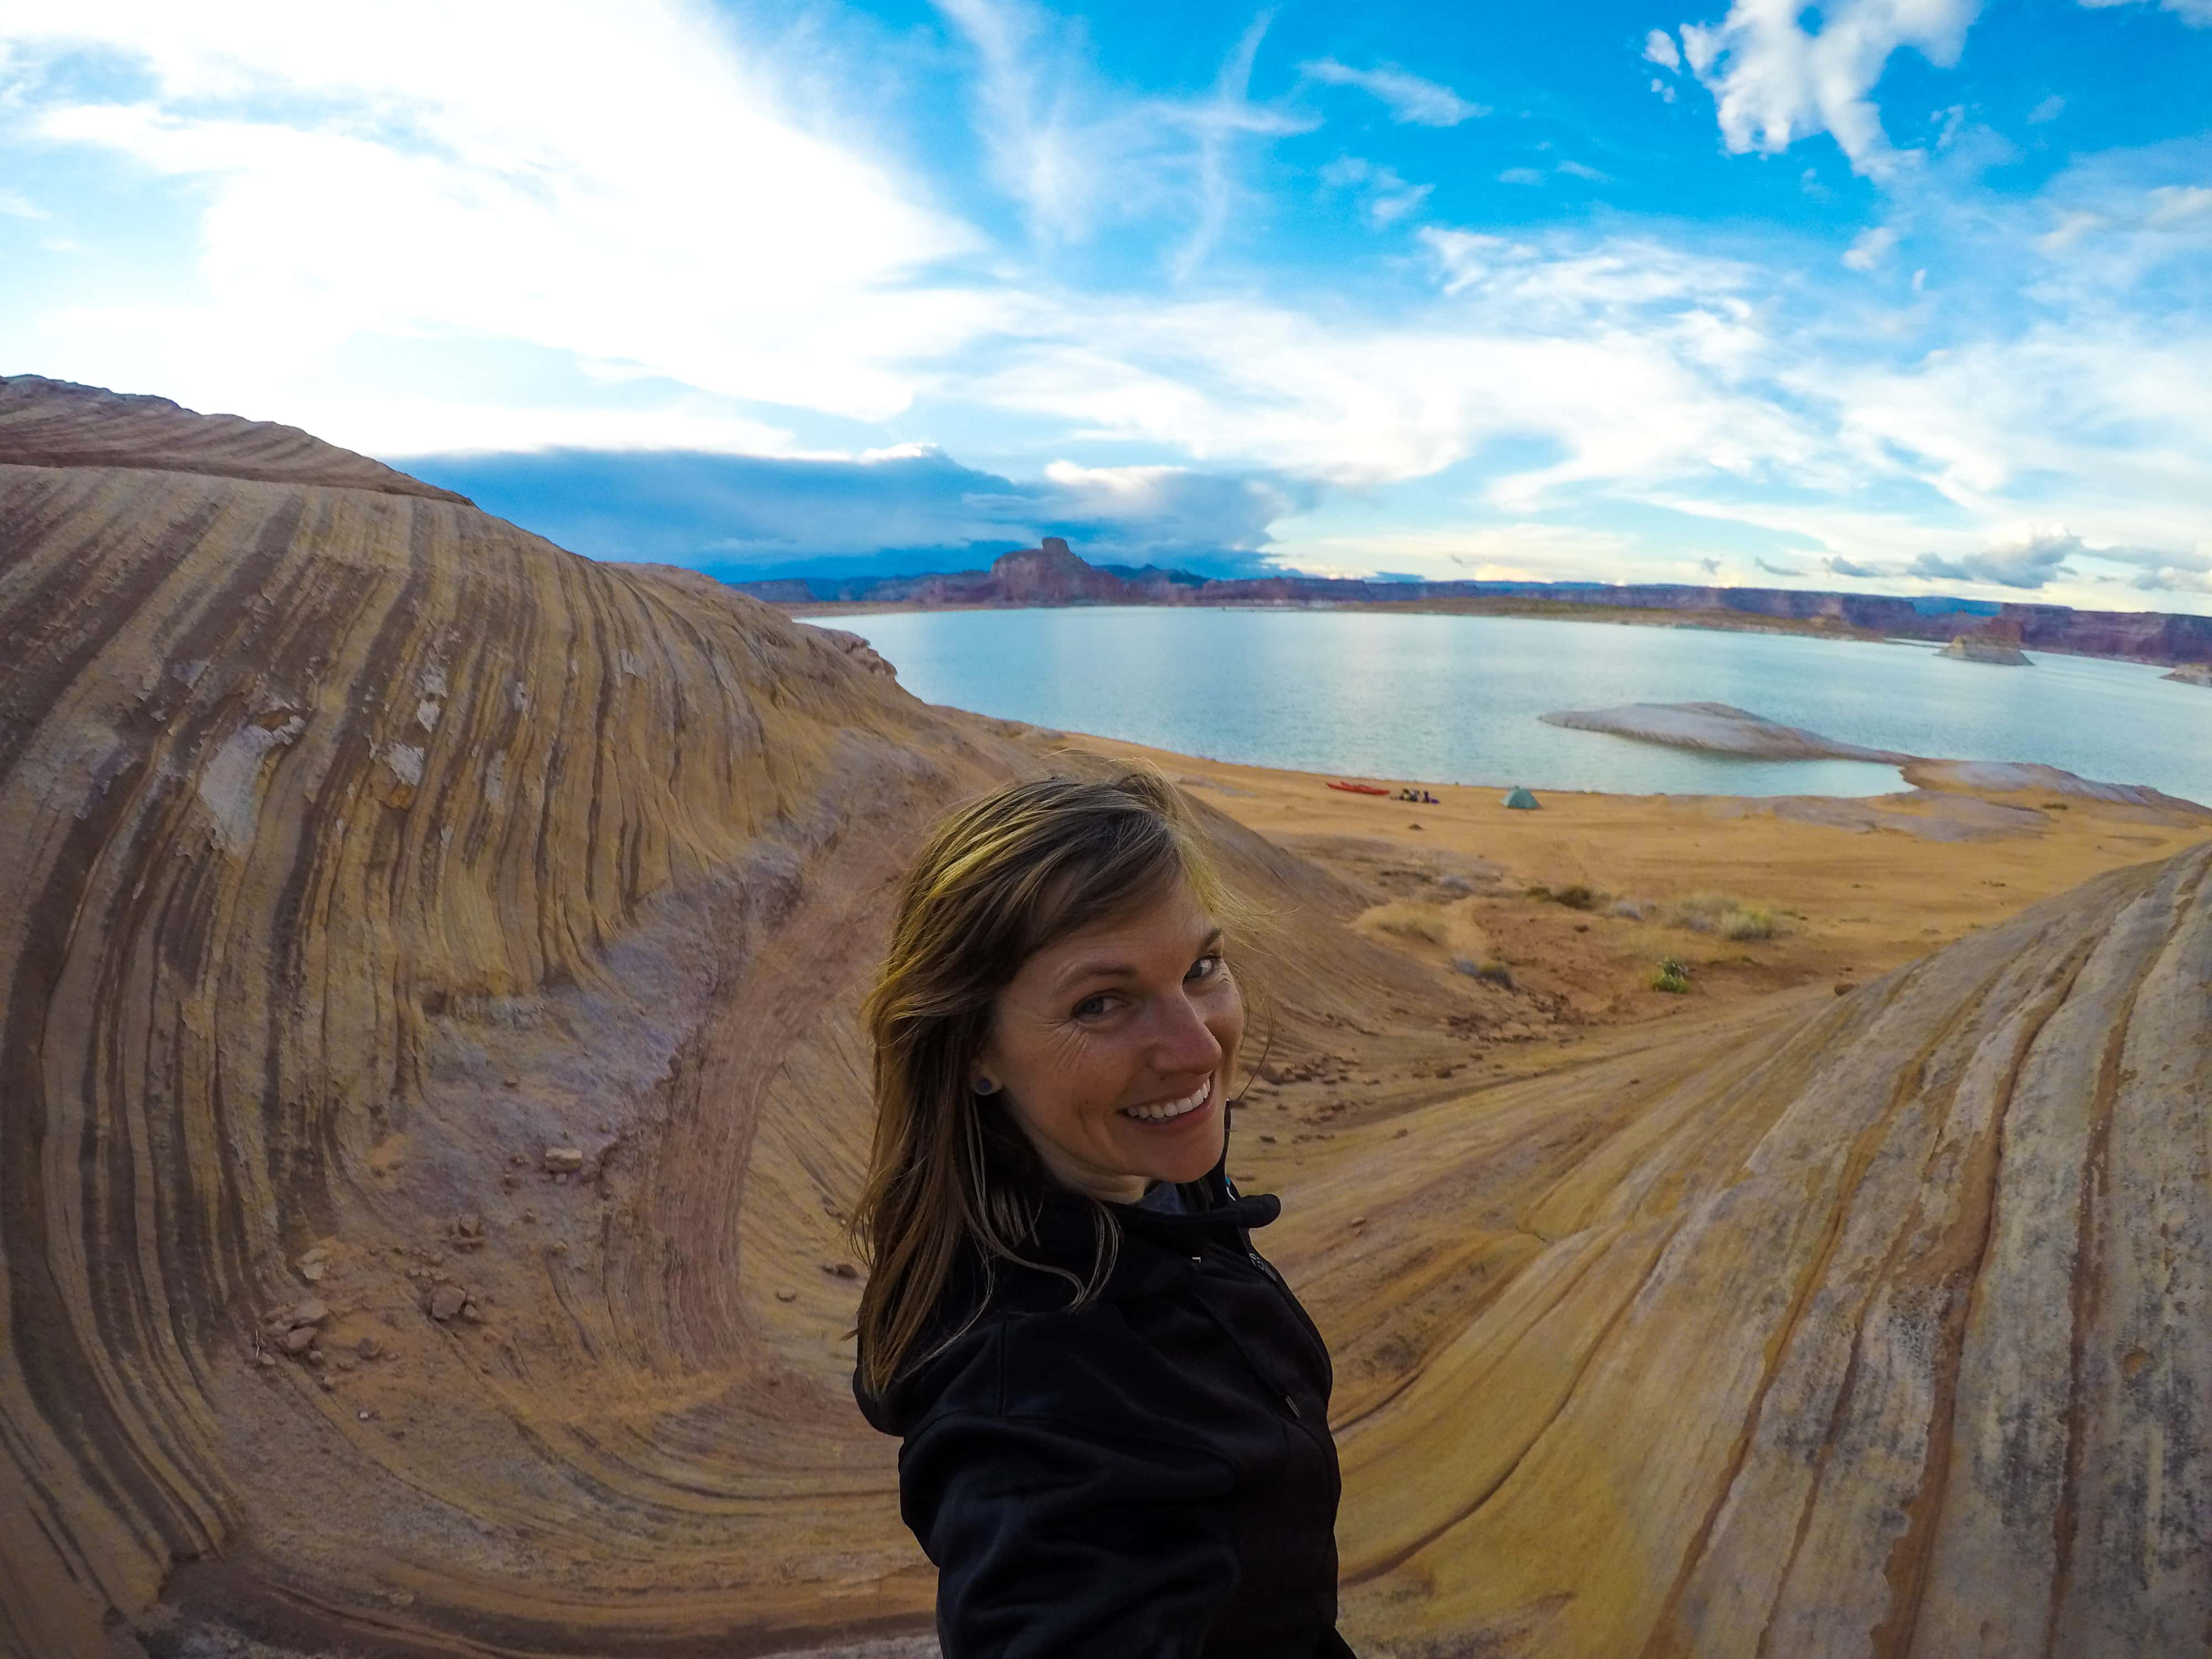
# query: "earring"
(983, 1086)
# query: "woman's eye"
(1090, 1007)
(1205, 967)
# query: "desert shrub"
(1577, 898)
(1752, 921)
(1454, 882)
(1410, 920)
(1633, 909)
(1536, 892)
(1724, 914)
(1670, 975)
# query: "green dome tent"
(1522, 798)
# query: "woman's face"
(1112, 1050)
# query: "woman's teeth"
(1160, 1111)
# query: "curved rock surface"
(428, 941)
(428, 1079)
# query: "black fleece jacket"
(1148, 1476)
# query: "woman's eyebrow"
(1083, 970)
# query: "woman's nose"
(1182, 1041)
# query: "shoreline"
(1853, 888)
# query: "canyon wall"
(1023, 579)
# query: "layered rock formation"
(448, 948)
(430, 1080)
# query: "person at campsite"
(1114, 1413)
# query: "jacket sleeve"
(1053, 1540)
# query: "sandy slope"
(363, 848)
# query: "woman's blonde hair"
(999, 879)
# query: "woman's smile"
(1172, 1111)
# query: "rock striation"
(429, 1084)
(403, 907)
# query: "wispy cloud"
(1659, 48)
(1078, 154)
(2048, 110)
(1385, 198)
(1412, 100)
(2197, 13)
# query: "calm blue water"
(1455, 699)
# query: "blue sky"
(1886, 295)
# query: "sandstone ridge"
(429, 1083)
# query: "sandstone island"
(1997, 645)
(432, 1086)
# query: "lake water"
(1455, 699)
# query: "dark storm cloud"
(746, 516)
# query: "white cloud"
(1664, 91)
(2195, 13)
(1412, 100)
(622, 187)
(1870, 248)
(1775, 83)
(1386, 197)
(2048, 110)
(1511, 550)
(1578, 170)
(1659, 48)
(16, 205)
(1520, 176)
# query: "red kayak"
(1360, 788)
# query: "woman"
(1115, 1414)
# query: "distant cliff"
(1052, 574)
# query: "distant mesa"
(1051, 574)
(2191, 673)
(1996, 643)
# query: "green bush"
(1750, 921)
(1577, 898)
(1671, 976)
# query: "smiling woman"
(1114, 1412)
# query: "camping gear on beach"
(1522, 798)
(1360, 788)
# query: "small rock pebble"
(563, 1160)
(447, 1301)
(787, 1295)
